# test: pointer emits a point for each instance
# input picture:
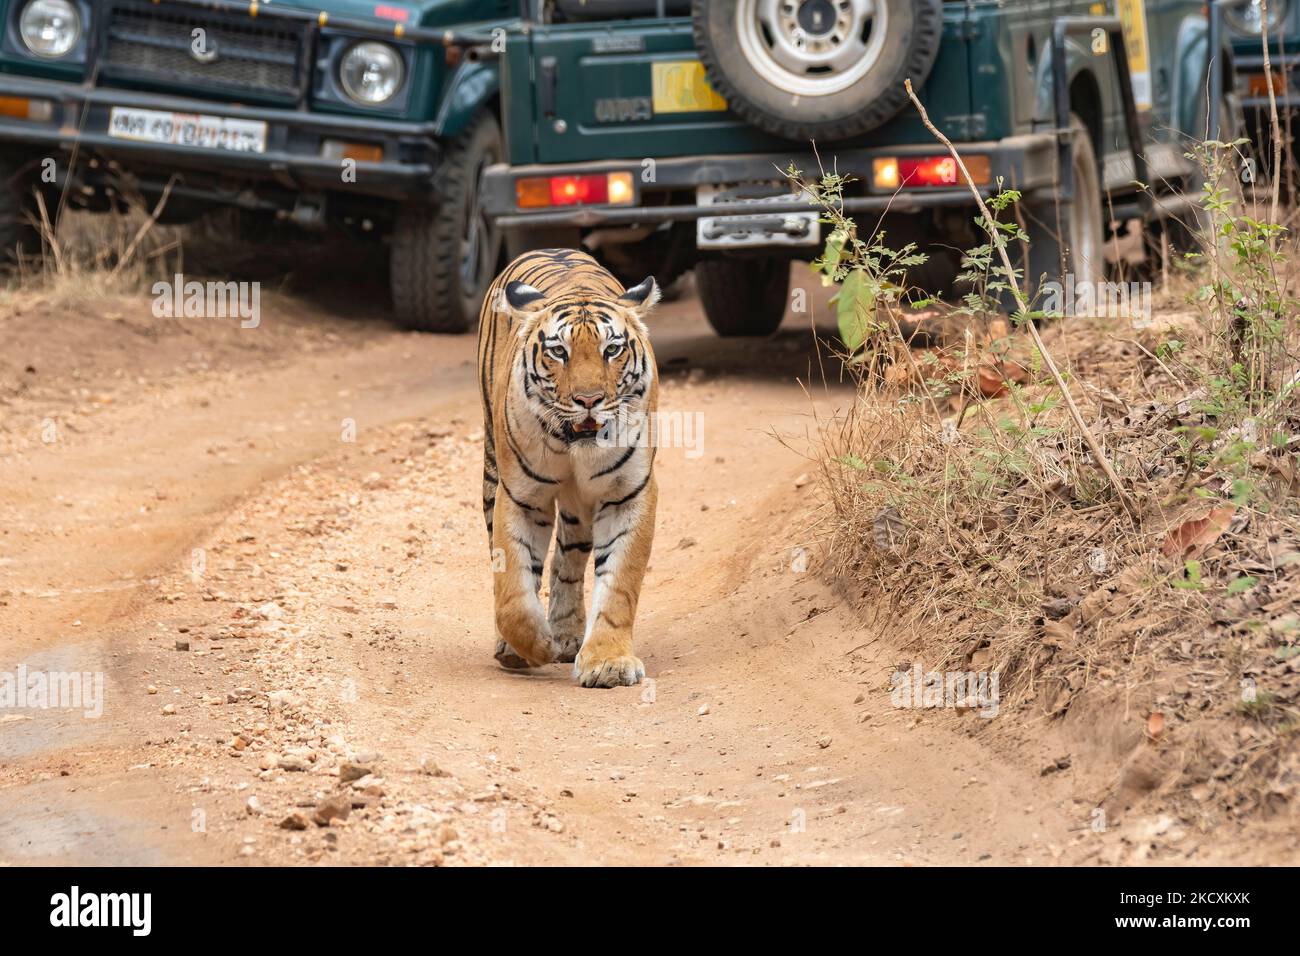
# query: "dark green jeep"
(655, 131)
(379, 115)
(1243, 20)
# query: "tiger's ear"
(641, 298)
(520, 299)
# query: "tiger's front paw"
(593, 670)
(541, 652)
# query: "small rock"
(182, 645)
(295, 821)
(337, 807)
(704, 709)
(270, 611)
(279, 699)
(824, 742)
(685, 543)
(168, 709)
(151, 689)
(269, 761)
(801, 480)
(1060, 763)
(350, 771)
(253, 806)
(428, 766)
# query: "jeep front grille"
(146, 41)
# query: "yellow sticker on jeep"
(680, 86)
(1133, 17)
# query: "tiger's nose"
(589, 400)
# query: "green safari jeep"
(1243, 20)
(378, 115)
(655, 131)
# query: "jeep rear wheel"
(817, 69)
(444, 256)
(1078, 248)
(743, 297)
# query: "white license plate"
(188, 129)
(756, 228)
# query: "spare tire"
(817, 69)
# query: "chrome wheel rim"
(812, 47)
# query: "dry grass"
(88, 256)
(980, 534)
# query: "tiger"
(570, 389)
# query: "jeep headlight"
(50, 28)
(1247, 16)
(371, 72)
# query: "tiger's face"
(586, 362)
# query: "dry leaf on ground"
(1193, 536)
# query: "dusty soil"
(268, 542)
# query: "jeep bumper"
(660, 187)
(65, 116)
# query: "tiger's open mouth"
(587, 428)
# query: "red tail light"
(578, 190)
(536, 192)
(911, 172)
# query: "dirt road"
(267, 542)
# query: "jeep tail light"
(338, 149)
(536, 192)
(911, 172)
(20, 107)
(1259, 83)
(620, 188)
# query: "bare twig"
(144, 228)
(1275, 126)
(47, 228)
(1089, 438)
